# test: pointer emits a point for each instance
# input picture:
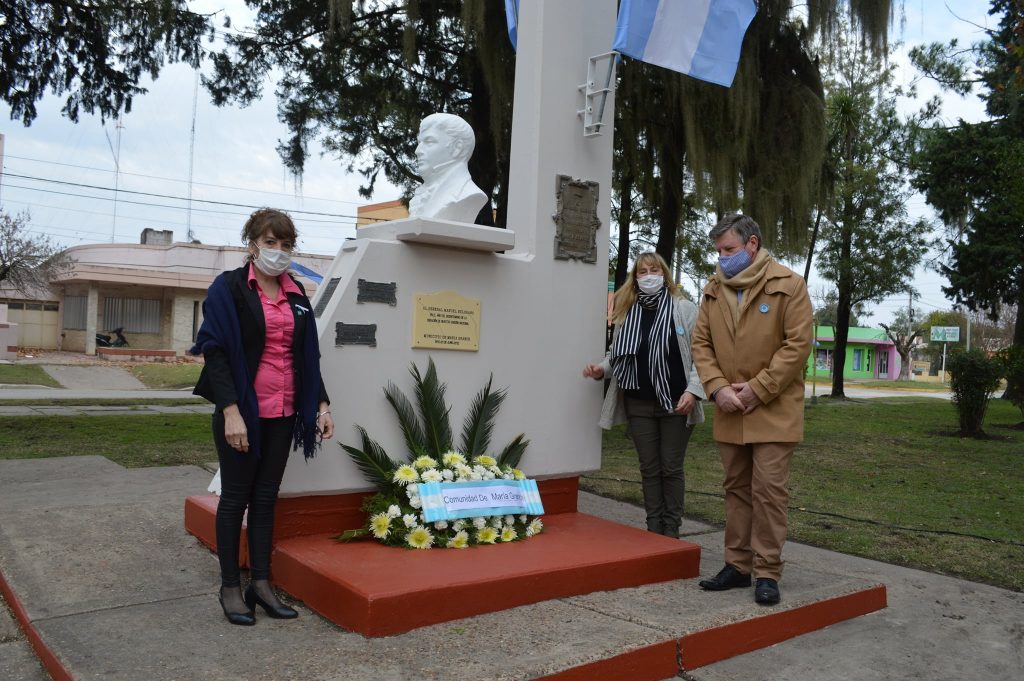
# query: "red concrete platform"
(379, 590)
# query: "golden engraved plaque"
(445, 321)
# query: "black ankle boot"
(278, 611)
(245, 619)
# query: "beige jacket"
(768, 347)
(684, 316)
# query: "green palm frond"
(433, 410)
(373, 461)
(415, 438)
(479, 423)
(513, 451)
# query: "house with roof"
(869, 354)
(153, 290)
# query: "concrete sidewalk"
(98, 558)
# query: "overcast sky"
(63, 173)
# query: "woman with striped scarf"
(654, 385)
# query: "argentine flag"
(701, 38)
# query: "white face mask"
(650, 283)
(272, 262)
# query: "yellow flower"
(424, 461)
(508, 534)
(519, 475)
(420, 538)
(380, 525)
(485, 460)
(405, 474)
(459, 541)
(452, 457)
(486, 535)
(535, 527)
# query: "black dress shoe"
(245, 619)
(727, 578)
(282, 612)
(766, 592)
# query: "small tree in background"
(27, 262)
(974, 377)
(904, 332)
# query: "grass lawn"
(132, 441)
(104, 402)
(899, 487)
(26, 374)
(167, 376)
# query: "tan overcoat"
(768, 347)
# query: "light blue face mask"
(734, 264)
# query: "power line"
(175, 198)
(174, 179)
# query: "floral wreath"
(395, 512)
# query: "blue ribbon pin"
(763, 308)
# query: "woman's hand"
(324, 422)
(234, 429)
(593, 371)
(686, 404)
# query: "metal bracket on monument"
(595, 98)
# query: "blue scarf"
(222, 331)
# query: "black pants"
(249, 482)
(660, 438)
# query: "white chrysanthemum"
(459, 541)
(535, 527)
(431, 475)
(479, 523)
(409, 520)
(496, 522)
(523, 519)
(394, 511)
(463, 470)
(488, 535)
(420, 538)
(488, 475)
(406, 474)
(416, 503)
(380, 525)
(519, 475)
(507, 476)
(453, 458)
(494, 469)
(441, 525)
(412, 489)
(509, 534)
(509, 521)
(459, 525)
(485, 460)
(447, 475)
(475, 476)
(424, 462)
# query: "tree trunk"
(904, 363)
(810, 249)
(668, 211)
(625, 223)
(843, 306)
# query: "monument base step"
(380, 590)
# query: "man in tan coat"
(750, 347)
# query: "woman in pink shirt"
(262, 372)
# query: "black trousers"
(253, 483)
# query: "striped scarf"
(627, 344)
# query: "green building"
(869, 354)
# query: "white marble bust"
(445, 144)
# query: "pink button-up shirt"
(275, 376)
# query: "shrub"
(974, 377)
(1013, 368)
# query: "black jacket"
(215, 382)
